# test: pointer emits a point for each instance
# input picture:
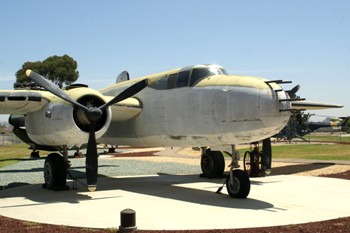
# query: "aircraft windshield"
(201, 73)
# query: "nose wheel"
(238, 184)
(237, 181)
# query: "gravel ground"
(31, 172)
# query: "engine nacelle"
(59, 123)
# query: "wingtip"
(28, 72)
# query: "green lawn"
(309, 151)
(13, 153)
(335, 138)
(312, 151)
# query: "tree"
(59, 69)
(21, 74)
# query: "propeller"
(267, 155)
(93, 114)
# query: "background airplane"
(300, 125)
(199, 106)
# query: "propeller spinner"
(93, 114)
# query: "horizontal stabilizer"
(305, 105)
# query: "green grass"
(335, 138)
(312, 151)
(309, 151)
(13, 154)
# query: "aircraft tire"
(213, 164)
(54, 171)
(240, 186)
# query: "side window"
(172, 81)
(198, 74)
(183, 78)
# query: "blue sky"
(307, 42)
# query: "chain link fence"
(9, 139)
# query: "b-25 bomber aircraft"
(197, 106)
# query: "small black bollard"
(127, 221)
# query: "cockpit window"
(190, 77)
(172, 81)
(182, 78)
(201, 73)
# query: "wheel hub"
(207, 164)
(234, 185)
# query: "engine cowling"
(59, 123)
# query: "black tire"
(213, 164)
(54, 171)
(240, 185)
(221, 163)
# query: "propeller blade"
(267, 155)
(47, 85)
(91, 159)
(128, 92)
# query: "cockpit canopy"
(189, 76)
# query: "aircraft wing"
(313, 105)
(21, 101)
(125, 109)
(25, 101)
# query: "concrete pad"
(175, 202)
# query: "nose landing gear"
(213, 165)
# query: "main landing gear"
(213, 165)
(257, 162)
(55, 171)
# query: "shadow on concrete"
(175, 187)
(298, 168)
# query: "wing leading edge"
(21, 101)
(306, 105)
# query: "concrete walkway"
(172, 202)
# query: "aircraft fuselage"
(217, 110)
